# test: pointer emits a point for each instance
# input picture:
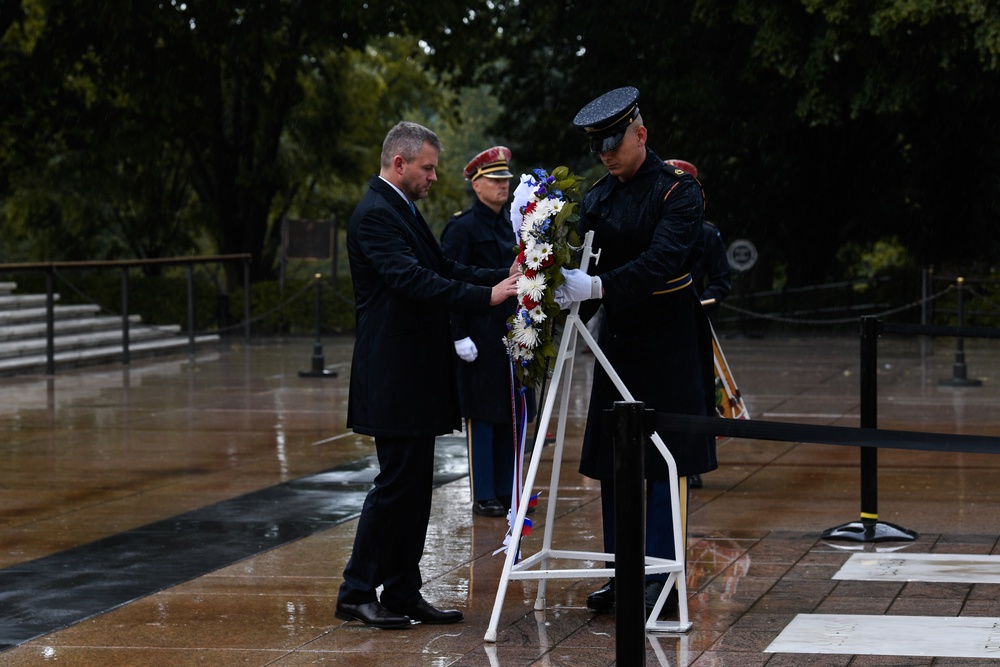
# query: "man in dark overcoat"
(403, 375)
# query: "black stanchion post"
(246, 300)
(222, 312)
(958, 372)
(189, 269)
(126, 358)
(50, 322)
(870, 330)
(869, 528)
(318, 360)
(630, 534)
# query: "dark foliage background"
(846, 139)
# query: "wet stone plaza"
(199, 510)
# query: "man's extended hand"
(503, 290)
(466, 349)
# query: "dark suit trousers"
(393, 524)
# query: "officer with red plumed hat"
(482, 236)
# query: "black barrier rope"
(939, 330)
(826, 435)
(845, 320)
(868, 437)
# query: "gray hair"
(407, 139)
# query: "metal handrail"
(50, 269)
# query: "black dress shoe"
(603, 599)
(421, 610)
(653, 590)
(491, 507)
(371, 613)
(694, 481)
(670, 606)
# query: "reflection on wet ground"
(212, 485)
(69, 586)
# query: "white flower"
(520, 353)
(534, 255)
(537, 216)
(547, 208)
(525, 335)
(532, 287)
(530, 334)
(529, 228)
(537, 314)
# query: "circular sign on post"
(742, 255)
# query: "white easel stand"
(525, 569)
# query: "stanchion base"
(860, 531)
(322, 373)
(960, 382)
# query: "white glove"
(578, 287)
(466, 349)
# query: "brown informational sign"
(309, 239)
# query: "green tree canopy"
(812, 123)
(148, 129)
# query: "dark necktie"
(413, 209)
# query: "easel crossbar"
(521, 570)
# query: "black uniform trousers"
(393, 524)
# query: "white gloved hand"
(466, 349)
(578, 287)
(562, 299)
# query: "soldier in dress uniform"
(483, 236)
(646, 217)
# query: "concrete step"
(65, 327)
(8, 301)
(111, 337)
(106, 354)
(82, 335)
(18, 315)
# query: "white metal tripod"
(526, 568)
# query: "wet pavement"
(199, 511)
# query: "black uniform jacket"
(403, 369)
(480, 237)
(654, 331)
